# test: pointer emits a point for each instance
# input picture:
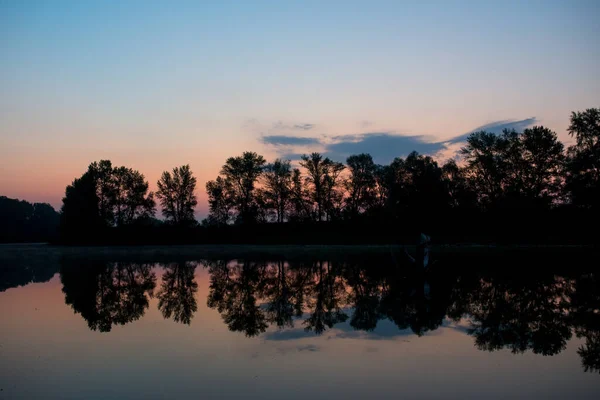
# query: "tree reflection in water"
(108, 294)
(536, 312)
(177, 294)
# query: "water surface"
(144, 326)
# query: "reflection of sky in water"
(48, 351)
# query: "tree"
(80, 215)
(459, 191)
(219, 201)
(299, 208)
(102, 174)
(361, 186)
(416, 184)
(22, 221)
(242, 173)
(176, 195)
(104, 197)
(334, 195)
(486, 166)
(583, 161)
(278, 186)
(323, 181)
(513, 169)
(132, 200)
(543, 158)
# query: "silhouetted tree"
(177, 293)
(513, 169)
(176, 195)
(102, 173)
(424, 183)
(583, 164)
(80, 214)
(334, 194)
(460, 194)
(21, 221)
(242, 174)
(361, 185)
(324, 183)
(299, 203)
(415, 184)
(278, 186)
(543, 157)
(219, 201)
(486, 166)
(104, 197)
(132, 200)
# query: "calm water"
(131, 326)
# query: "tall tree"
(176, 195)
(219, 201)
(583, 164)
(104, 197)
(543, 157)
(80, 215)
(323, 181)
(242, 173)
(459, 191)
(361, 185)
(102, 174)
(514, 169)
(278, 186)
(424, 183)
(486, 166)
(334, 194)
(299, 207)
(132, 200)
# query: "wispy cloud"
(304, 127)
(281, 126)
(281, 140)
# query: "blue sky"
(154, 84)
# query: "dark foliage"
(25, 222)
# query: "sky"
(153, 85)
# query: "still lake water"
(143, 324)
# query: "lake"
(297, 323)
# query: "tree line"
(27, 222)
(497, 173)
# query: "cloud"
(384, 146)
(497, 127)
(304, 127)
(280, 126)
(280, 140)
